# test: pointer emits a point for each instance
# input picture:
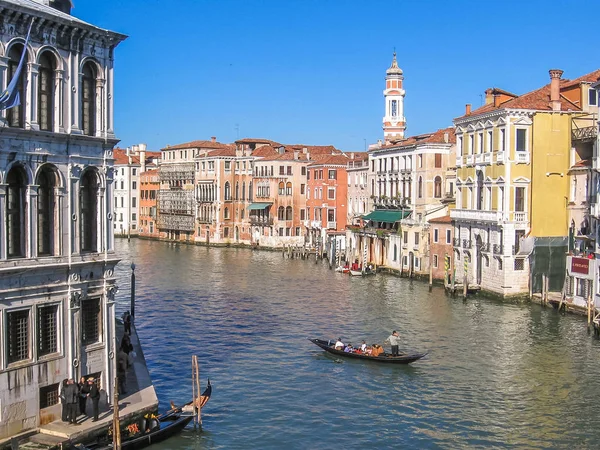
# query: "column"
(32, 97)
(101, 241)
(60, 225)
(100, 103)
(2, 221)
(74, 244)
(31, 241)
(74, 86)
(59, 100)
(3, 82)
(110, 86)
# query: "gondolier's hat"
(90, 379)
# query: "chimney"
(468, 109)
(446, 137)
(296, 154)
(352, 155)
(496, 100)
(489, 97)
(142, 148)
(213, 139)
(555, 75)
(305, 150)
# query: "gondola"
(402, 358)
(162, 427)
(359, 273)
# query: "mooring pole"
(132, 290)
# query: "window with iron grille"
(48, 396)
(18, 335)
(47, 324)
(90, 318)
(519, 264)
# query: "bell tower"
(394, 122)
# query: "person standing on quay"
(71, 393)
(63, 400)
(394, 341)
(83, 392)
(95, 396)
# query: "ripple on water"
(496, 376)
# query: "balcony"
(331, 225)
(476, 215)
(469, 159)
(584, 134)
(498, 249)
(487, 158)
(500, 157)
(520, 217)
(485, 247)
(459, 161)
(467, 243)
(261, 221)
(478, 159)
(522, 157)
(456, 242)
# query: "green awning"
(256, 206)
(386, 215)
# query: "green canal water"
(497, 375)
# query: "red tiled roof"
(437, 137)
(287, 156)
(229, 151)
(121, 157)
(444, 219)
(197, 144)
(332, 160)
(539, 99)
(257, 141)
(265, 151)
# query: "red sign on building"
(580, 265)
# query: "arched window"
(45, 111)
(237, 190)
(47, 214)
(243, 214)
(281, 188)
(88, 100)
(226, 213)
(16, 115)
(420, 187)
(288, 213)
(288, 189)
(244, 190)
(250, 191)
(16, 181)
(395, 252)
(88, 217)
(227, 191)
(280, 213)
(437, 187)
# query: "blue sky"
(312, 71)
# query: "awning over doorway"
(387, 215)
(257, 206)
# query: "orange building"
(326, 196)
(440, 248)
(149, 187)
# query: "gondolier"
(394, 341)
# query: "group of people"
(74, 398)
(125, 354)
(371, 350)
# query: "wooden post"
(193, 387)
(199, 419)
(430, 273)
(116, 421)
(589, 305)
(466, 278)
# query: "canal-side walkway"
(139, 400)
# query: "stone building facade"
(57, 281)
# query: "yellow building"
(513, 159)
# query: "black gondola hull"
(405, 358)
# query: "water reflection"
(498, 375)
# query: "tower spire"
(394, 123)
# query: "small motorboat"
(362, 273)
(402, 358)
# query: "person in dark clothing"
(127, 322)
(94, 394)
(63, 400)
(122, 363)
(83, 392)
(126, 344)
(72, 398)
